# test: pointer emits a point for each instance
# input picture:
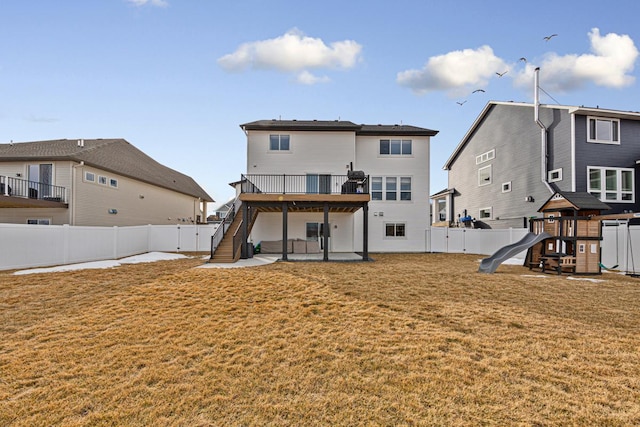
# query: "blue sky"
(176, 78)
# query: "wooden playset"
(572, 220)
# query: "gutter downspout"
(74, 186)
(543, 131)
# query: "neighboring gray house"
(509, 163)
(103, 182)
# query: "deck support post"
(365, 232)
(285, 233)
(326, 232)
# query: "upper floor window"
(89, 177)
(113, 182)
(485, 157)
(611, 184)
(605, 131)
(555, 175)
(279, 142)
(395, 147)
(376, 188)
(484, 176)
(387, 188)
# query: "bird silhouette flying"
(502, 74)
(547, 38)
(523, 59)
(478, 90)
(460, 103)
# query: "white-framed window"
(89, 176)
(405, 188)
(39, 221)
(391, 188)
(604, 131)
(279, 143)
(376, 188)
(485, 157)
(102, 180)
(506, 187)
(386, 188)
(484, 176)
(113, 182)
(554, 175)
(485, 213)
(395, 147)
(611, 184)
(395, 230)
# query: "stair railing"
(224, 225)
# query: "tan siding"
(156, 206)
(20, 215)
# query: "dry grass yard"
(406, 340)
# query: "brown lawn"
(406, 340)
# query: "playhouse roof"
(577, 201)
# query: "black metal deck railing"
(31, 190)
(305, 184)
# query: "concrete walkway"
(263, 259)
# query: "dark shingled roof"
(581, 200)
(337, 125)
(113, 155)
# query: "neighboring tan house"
(516, 155)
(98, 182)
(334, 186)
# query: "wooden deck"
(306, 202)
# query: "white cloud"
(306, 78)
(293, 52)
(158, 3)
(455, 71)
(612, 59)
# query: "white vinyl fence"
(620, 246)
(25, 246)
(473, 241)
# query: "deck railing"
(304, 184)
(15, 187)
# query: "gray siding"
(516, 138)
(623, 155)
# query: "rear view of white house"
(333, 186)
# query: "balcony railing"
(31, 190)
(305, 184)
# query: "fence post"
(115, 242)
(65, 243)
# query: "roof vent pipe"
(543, 130)
(81, 143)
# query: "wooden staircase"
(224, 252)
